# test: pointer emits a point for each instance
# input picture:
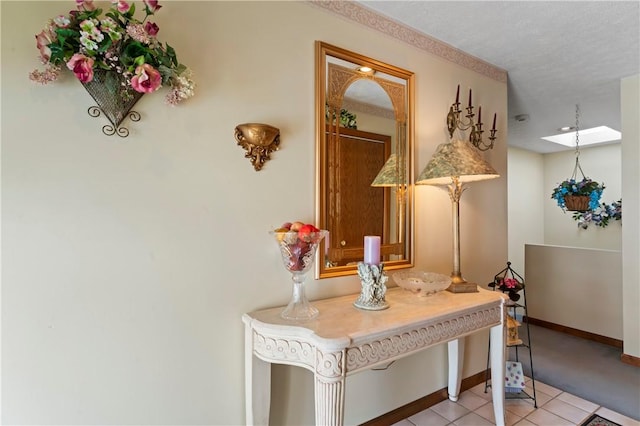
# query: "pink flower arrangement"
(510, 283)
(82, 67)
(146, 80)
(85, 41)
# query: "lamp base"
(463, 287)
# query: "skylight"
(592, 136)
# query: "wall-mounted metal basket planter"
(114, 98)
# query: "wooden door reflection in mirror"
(364, 159)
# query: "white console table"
(344, 340)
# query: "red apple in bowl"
(305, 233)
(295, 226)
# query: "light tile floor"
(474, 408)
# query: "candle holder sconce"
(455, 121)
(259, 141)
(373, 280)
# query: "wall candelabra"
(456, 121)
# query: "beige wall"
(630, 99)
(526, 206)
(617, 166)
(532, 177)
(570, 272)
(127, 263)
(575, 287)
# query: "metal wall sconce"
(259, 141)
(454, 121)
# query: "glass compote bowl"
(298, 252)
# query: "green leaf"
(112, 82)
(170, 50)
(67, 32)
(89, 14)
(164, 61)
(132, 52)
(166, 74)
(102, 65)
(172, 54)
(57, 53)
(116, 17)
(107, 44)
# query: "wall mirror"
(364, 160)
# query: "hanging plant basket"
(115, 98)
(577, 203)
(578, 196)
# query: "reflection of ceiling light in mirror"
(366, 70)
(592, 136)
(352, 65)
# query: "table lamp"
(454, 164)
(392, 176)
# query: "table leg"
(329, 401)
(456, 356)
(497, 342)
(257, 386)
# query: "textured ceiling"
(557, 54)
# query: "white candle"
(372, 250)
(327, 244)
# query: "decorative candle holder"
(373, 280)
(456, 121)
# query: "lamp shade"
(456, 159)
(390, 174)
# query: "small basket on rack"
(508, 281)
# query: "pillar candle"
(327, 243)
(372, 250)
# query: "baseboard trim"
(575, 332)
(423, 403)
(630, 359)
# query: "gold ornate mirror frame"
(352, 206)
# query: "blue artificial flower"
(600, 216)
